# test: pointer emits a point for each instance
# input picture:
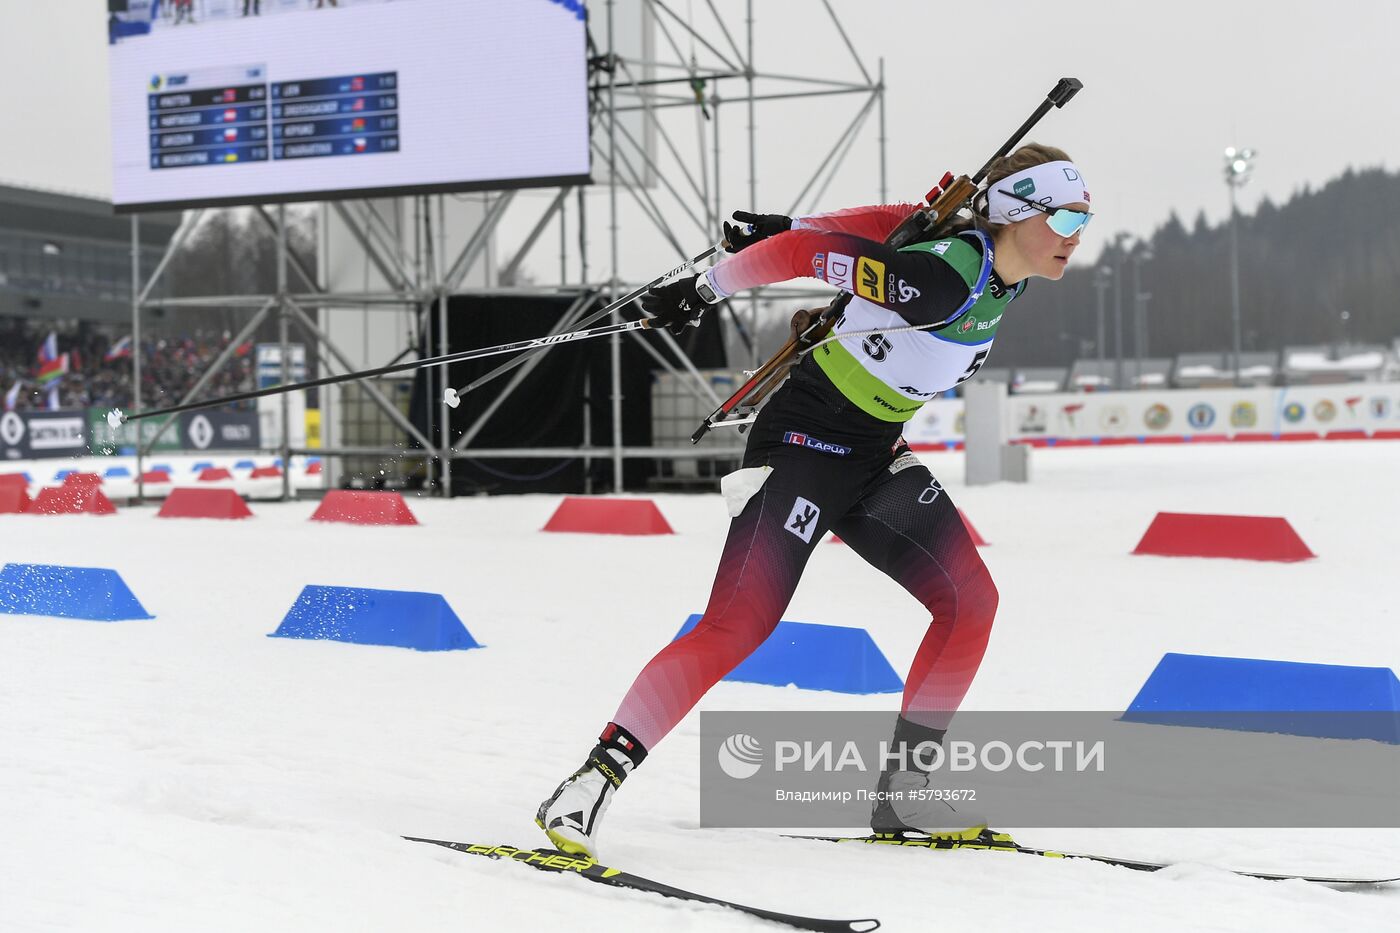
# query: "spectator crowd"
(170, 366)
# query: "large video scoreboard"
(309, 99)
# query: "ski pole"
(116, 417)
(944, 202)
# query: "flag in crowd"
(119, 350)
(12, 396)
(52, 366)
(48, 350)
(54, 370)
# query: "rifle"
(942, 205)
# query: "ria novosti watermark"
(741, 756)
(822, 769)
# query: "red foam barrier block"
(187, 502)
(259, 472)
(1300, 436)
(1379, 435)
(1167, 439)
(71, 500)
(1209, 438)
(82, 479)
(1246, 537)
(210, 474)
(1345, 436)
(1073, 442)
(976, 538)
(1250, 436)
(14, 479)
(601, 516)
(155, 476)
(1117, 441)
(13, 498)
(364, 508)
(313, 469)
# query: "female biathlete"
(826, 454)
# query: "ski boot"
(904, 802)
(573, 814)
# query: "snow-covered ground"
(189, 773)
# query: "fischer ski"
(552, 860)
(1001, 842)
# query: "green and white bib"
(891, 376)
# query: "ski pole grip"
(1066, 89)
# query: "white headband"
(1050, 183)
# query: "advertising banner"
(1349, 409)
(219, 430)
(30, 435)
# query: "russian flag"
(48, 350)
(118, 350)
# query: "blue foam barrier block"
(116, 471)
(68, 592)
(163, 467)
(397, 618)
(58, 477)
(201, 465)
(244, 465)
(816, 657)
(1322, 700)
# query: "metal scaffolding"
(650, 85)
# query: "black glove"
(752, 228)
(675, 305)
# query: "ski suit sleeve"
(920, 287)
(876, 222)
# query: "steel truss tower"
(686, 63)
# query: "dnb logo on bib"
(1200, 416)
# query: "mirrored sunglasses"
(1062, 220)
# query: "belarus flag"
(53, 370)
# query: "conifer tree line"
(1302, 264)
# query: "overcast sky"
(1310, 85)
